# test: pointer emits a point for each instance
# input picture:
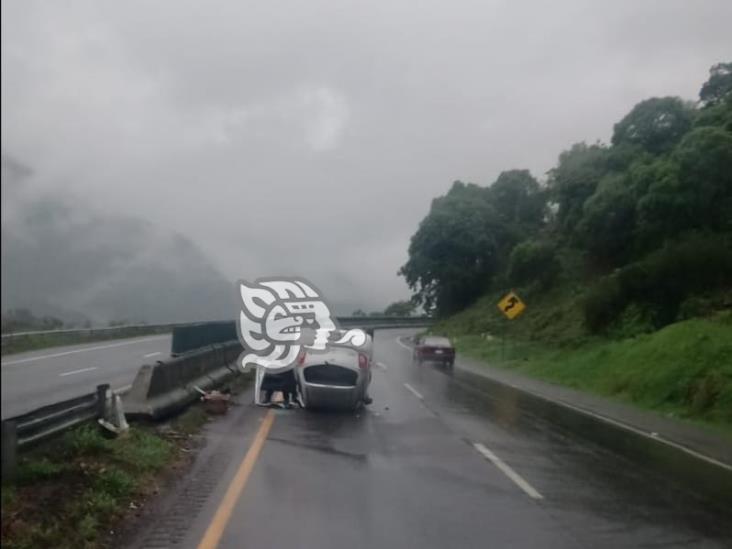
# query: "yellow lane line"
(216, 529)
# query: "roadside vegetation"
(623, 255)
(683, 370)
(73, 492)
(82, 489)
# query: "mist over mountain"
(61, 258)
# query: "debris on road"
(216, 402)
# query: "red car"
(434, 348)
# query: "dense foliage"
(650, 214)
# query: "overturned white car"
(337, 378)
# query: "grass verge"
(71, 492)
(683, 370)
(77, 491)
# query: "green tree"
(719, 84)
(717, 115)
(533, 261)
(358, 312)
(574, 180)
(456, 250)
(608, 221)
(518, 199)
(655, 124)
(662, 208)
(705, 173)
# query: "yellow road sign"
(511, 305)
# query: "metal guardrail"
(28, 429)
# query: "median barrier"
(168, 386)
(190, 337)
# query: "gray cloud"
(309, 138)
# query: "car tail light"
(363, 361)
(301, 358)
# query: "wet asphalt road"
(437, 462)
(37, 378)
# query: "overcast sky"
(308, 138)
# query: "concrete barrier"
(189, 337)
(202, 334)
(168, 386)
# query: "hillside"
(683, 370)
(623, 256)
(62, 259)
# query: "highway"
(434, 462)
(34, 379)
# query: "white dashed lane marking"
(413, 391)
(403, 345)
(506, 470)
(72, 372)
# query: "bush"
(668, 276)
(603, 303)
(142, 451)
(533, 261)
(114, 482)
(88, 527)
(86, 440)
(662, 281)
(32, 470)
(631, 322)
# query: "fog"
(210, 141)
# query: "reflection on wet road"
(441, 459)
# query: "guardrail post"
(102, 399)
(9, 450)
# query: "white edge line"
(611, 421)
(506, 470)
(652, 436)
(98, 347)
(148, 355)
(413, 391)
(72, 372)
(382, 366)
(399, 341)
